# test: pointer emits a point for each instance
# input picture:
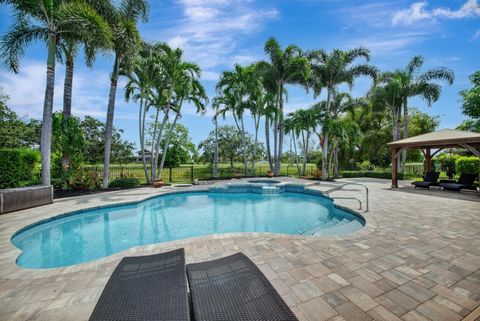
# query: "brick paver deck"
(418, 259)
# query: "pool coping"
(31, 273)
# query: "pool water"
(93, 234)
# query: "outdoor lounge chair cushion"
(464, 182)
(233, 288)
(149, 288)
(430, 179)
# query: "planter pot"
(158, 183)
(269, 174)
(304, 177)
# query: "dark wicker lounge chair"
(233, 288)
(430, 179)
(149, 288)
(464, 182)
(14, 199)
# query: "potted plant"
(158, 183)
(269, 174)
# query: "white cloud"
(418, 12)
(90, 91)
(212, 31)
(475, 36)
(389, 43)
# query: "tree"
(126, 40)
(47, 21)
(230, 146)
(471, 104)
(328, 70)
(420, 123)
(181, 149)
(94, 141)
(15, 132)
(415, 84)
(287, 66)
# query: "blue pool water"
(93, 234)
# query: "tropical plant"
(471, 104)
(48, 21)
(125, 43)
(415, 84)
(328, 70)
(287, 66)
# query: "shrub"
(467, 165)
(366, 166)
(125, 182)
(19, 167)
(84, 178)
(447, 163)
(372, 174)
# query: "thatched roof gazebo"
(439, 140)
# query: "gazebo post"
(394, 168)
(428, 160)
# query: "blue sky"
(218, 33)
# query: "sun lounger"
(149, 288)
(233, 288)
(430, 179)
(464, 182)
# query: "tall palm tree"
(126, 40)
(287, 66)
(141, 75)
(328, 70)
(303, 122)
(47, 21)
(415, 84)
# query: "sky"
(216, 34)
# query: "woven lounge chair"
(152, 288)
(430, 179)
(464, 182)
(14, 199)
(233, 288)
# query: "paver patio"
(417, 259)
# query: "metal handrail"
(337, 188)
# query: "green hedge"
(372, 174)
(124, 182)
(467, 165)
(19, 167)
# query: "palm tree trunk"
(245, 161)
(281, 133)
(215, 152)
(141, 127)
(325, 143)
(257, 124)
(167, 143)
(155, 154)
(109, 124)
(335, 161)
(267, 142)
(46, 134)
(405, 131)
(290, 158)
(304, 148)
(296, 154)
(67, 105)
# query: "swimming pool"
(92, 234)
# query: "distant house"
(138, 156)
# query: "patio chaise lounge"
(464, 182)
(154, 288)
(234, 289)
(430, 179)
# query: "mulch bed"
(60, 193)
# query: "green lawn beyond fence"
(189, 173)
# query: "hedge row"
(467, 165)
(19, 167)
(372, 174)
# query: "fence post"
(170, 174)
(192, 173)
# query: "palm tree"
(302, 123)
(48, 21)
(420, 84)
(126, 40)
(141, 75)
(285, 67)
(328, 70)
